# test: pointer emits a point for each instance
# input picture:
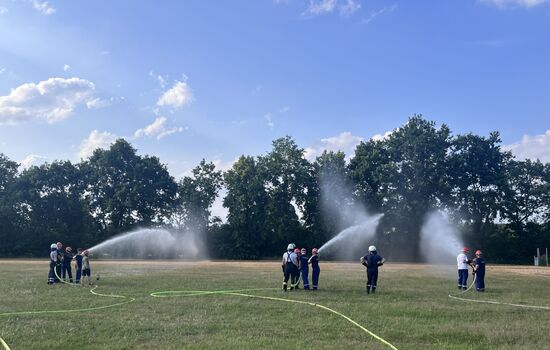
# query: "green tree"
(9, 216)
(246, 201)
(477, 168)
(196, 194)
(124, 190)
(286, 174)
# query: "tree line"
(500, 204)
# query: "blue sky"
(186, 80)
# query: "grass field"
(411, 309)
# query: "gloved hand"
(364, 263)
(380, 263)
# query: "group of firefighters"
(61, 267)
(478, 269)
(295, 263)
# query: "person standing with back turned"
(372, 261)
(462, 263)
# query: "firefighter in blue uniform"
(67, 259)
(78, 265)
(372, 261)
(479, 271)
(53, 261)
(304, 268)
(315, 270)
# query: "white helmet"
(53, 246)
(372, 248)
(291, 246)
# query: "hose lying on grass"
(456, 297)
(6, 347)
(165, 294)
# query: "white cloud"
(502, 4)
(3, 10)
(269, 120)
(32, 159)
(345, 142)
(373, 15)
(380, 137)
(52, 100)
(180, 94)
(3, 70)
(157, 128)
(43, 7)
(349, 8)
(284, 109)
(95, 140)
(322, 7)
(532, 147)
(66, 67)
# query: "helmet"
(290, 246)
(314, 250)
(53, 246)
(478, 252)
(372, 248)
(465, 249)
(297, 250)
(69, 249)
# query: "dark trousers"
(463, 279)
(480, 281)
(305, 279)
(315, 277)
(51, 274)
(372, 280)
(67, 271)
(290, 272)
(78, 274)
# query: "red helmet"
(297, 250)
(478, 252)
(314, 250)
(465, 249)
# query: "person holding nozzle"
(53, 261)
(372, 261)
(479, 271)
(304, 268)
(462, 262)
(67, 259)
(290, 266)
(296, 277)
(315, 270)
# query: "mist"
(152, 244)
(440, 240)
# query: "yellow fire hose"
(164, 294)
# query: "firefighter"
(67, 259)
(462, 262)
(315, 270)
(86, 270)
(479, 271)
(372, 261)
(289, 264)
(296, 276)
(59, 262)
(78, 265)
(53, 261)
(304, 268)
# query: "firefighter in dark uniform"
(304, 268)
(290, 266)
(372, 261)
(67, 268)
(479, 271)
(315, 270)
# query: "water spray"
(362, 231)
